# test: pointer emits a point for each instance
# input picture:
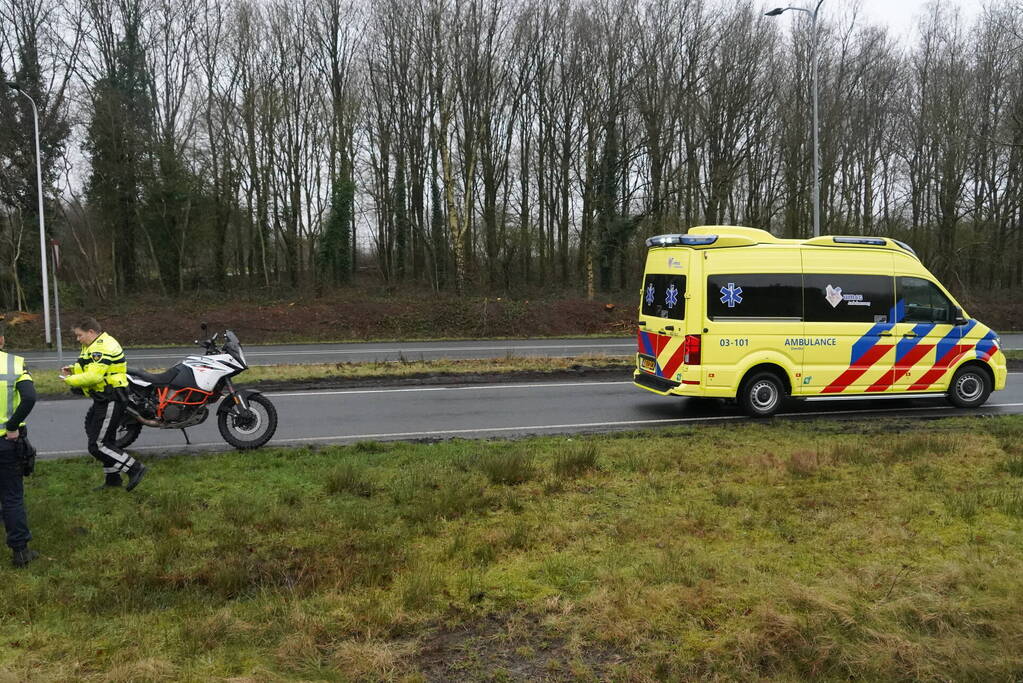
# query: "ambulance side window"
(664, 296)
(839, 298)
(924, 302)
(767, 296)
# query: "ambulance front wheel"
(762, 394)
(970, 387)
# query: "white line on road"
(132, 357)
(484, 387)
(494, 430)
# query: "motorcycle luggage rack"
(191, 397)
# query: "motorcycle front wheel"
(251, 428)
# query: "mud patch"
(516, 647)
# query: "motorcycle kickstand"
(188, 441)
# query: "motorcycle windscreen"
(233, 347)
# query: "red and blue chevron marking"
(651, 344)
(987, 346)
(908, 352)
(947, 352)
(867, 350)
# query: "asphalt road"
(479, 411)
(390, 351)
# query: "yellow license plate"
(647, 365)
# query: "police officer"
(100, 374)
(17, 398)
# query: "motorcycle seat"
(164, 377)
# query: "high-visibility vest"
(12, 371)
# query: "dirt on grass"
(510, 647)
(346, 315)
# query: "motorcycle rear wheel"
(251, 430)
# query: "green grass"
(49, 384)
(1014, 355)
(882, 551)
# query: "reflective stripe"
(11, 370)
(123, 460)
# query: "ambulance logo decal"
(672, 296)
(833, 295)
(731, 295)
(650, 294)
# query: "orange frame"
(191, 397)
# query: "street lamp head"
(775, 12)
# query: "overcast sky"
(898, 15)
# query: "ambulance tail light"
(691, 350)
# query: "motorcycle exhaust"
(131, 410)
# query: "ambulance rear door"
(662, 313)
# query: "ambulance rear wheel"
(970, 387)
(762, 394)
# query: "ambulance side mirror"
(960, 319)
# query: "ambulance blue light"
(663, 240)
(875, 241)
(683, 240)
(905, 246)
(699, 239)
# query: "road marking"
(577, 425)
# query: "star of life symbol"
(672, 296)
(650, 294)
(731, 295)
(833, 295)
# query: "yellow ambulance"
(733, 312)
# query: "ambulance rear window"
(664, 296)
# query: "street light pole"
(816, 144)
(42, 217)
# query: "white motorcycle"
(181, 396)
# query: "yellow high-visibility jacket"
(100, 366)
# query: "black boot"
(23, 557)
(135, 474)
(113, 481)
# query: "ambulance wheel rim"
(969, 387)
(763, 395)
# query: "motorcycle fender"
(227, 403)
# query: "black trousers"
(101, 423)
(12, 497)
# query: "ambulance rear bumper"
(658, 385)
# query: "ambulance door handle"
(885, 334)
(909, 335)
(669, 328)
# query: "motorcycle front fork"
(238, 399)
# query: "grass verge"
(49, 384)
(888, 550)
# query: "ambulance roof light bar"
(905, 246)
(681, 240)
(874, 241)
